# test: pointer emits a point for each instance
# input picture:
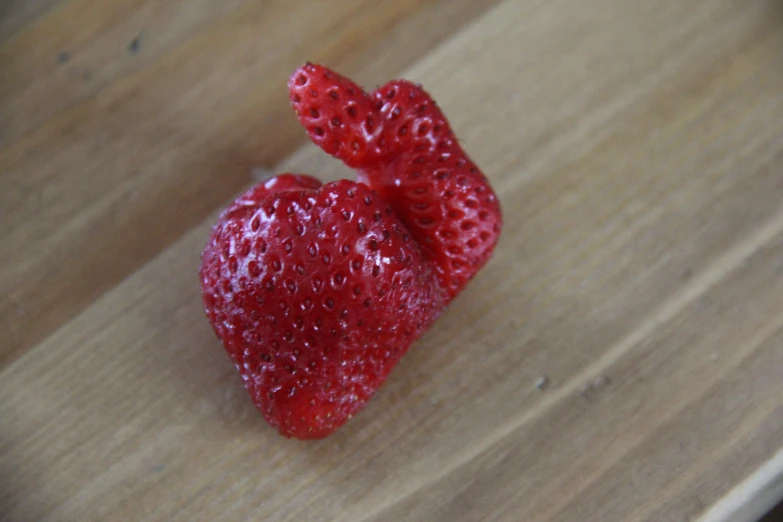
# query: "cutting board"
(619, 359)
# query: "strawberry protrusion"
(336, 112)
(411, 157)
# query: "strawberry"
(317, 291)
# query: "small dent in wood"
(135, 45)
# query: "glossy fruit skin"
(317, 291)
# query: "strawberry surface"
(316, 291)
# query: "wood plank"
(16, 14)
(640, 272)
(80, 49)
(750, 500)
(121, 168)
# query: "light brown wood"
(15, 14)
(637, 149)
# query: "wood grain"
(15, 14)
(637, 149)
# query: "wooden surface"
(636, 147)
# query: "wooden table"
(620, 359)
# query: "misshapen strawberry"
(317, 291)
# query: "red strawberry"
(317, 291)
